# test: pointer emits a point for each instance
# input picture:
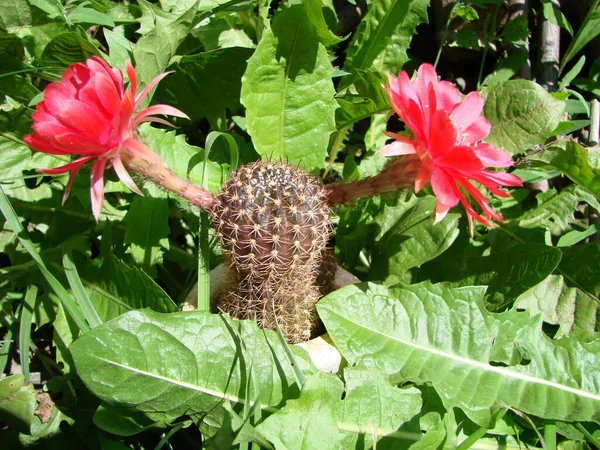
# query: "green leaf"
(581, 265)
(89, 15)
(387, 21)
(575, 236)
(180, 156)
(370, 99)
(17, 403)
(206, 84)
(555, 16)
(184, 364)
(66, 49)
(509, 273)
(308, 422)
(15, 13)
(522, 114)
(147, 230)
(555, 209)
(154, 50)
(570, 308)
(314, 11)
(412, 240)
(588, 31)
(444, 336)
(288, 92)
(574, 162)
(393, 57)
(382, 419)
(115, 288)
(120, 420)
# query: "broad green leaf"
(223, 31)
(154, 50)
(393, 57)
(183, 159)
(147, 230)
(120, 47)
(308, 422)
(383, 414)
(441, 335)
(90, 15)
(120, 420)
(574, 162)
(68, 48)
(554, 209)
(581, 265)
(14, 14)
(522, 114)
(370, 99)
(184, 364)
(17, 402)
(314, 11)
(570, 308)
(387, 21)
(508, 273)
(575, 236)
(206, 84)
(412, 240)
(288, 92)
(116, 288)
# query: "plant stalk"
(399, 175)
(197, 196)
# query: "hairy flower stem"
(196, 195)
(399, 175)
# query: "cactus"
(272, 220)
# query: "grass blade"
(84, 302)
(27, 308)
(67, 301)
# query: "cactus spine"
(273, 223)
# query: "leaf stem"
(550, 436)
(588, 435)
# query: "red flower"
(446, 135)
(90, 113)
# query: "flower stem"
(400, 174)
(197, 196)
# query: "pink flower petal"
(158, 109)
(124, 175)
(140, 149)
(468, 111)
(132, 77)
(491, 156)
(139, 98)
(75, 165)
(397, 148)
(444, 187)
(97, 188)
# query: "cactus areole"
(273, 223)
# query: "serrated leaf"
(147, 230)
(370, 99)
(183, 159)
(206, 84)
(314, 11)
(522, 114)
(509, 273)
(381, 412)
(308, 422)
(385, 20)
(68, 48)
(570, 308)
(115, 288)
(581, 264)
(437, 334)
(154, 50)
(90, 15)
(15, 13)
(288, 92)
(574, 162)
(184, 364)
(412, 240)
(554, 209)
(394, 55)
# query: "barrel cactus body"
(273, 223)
